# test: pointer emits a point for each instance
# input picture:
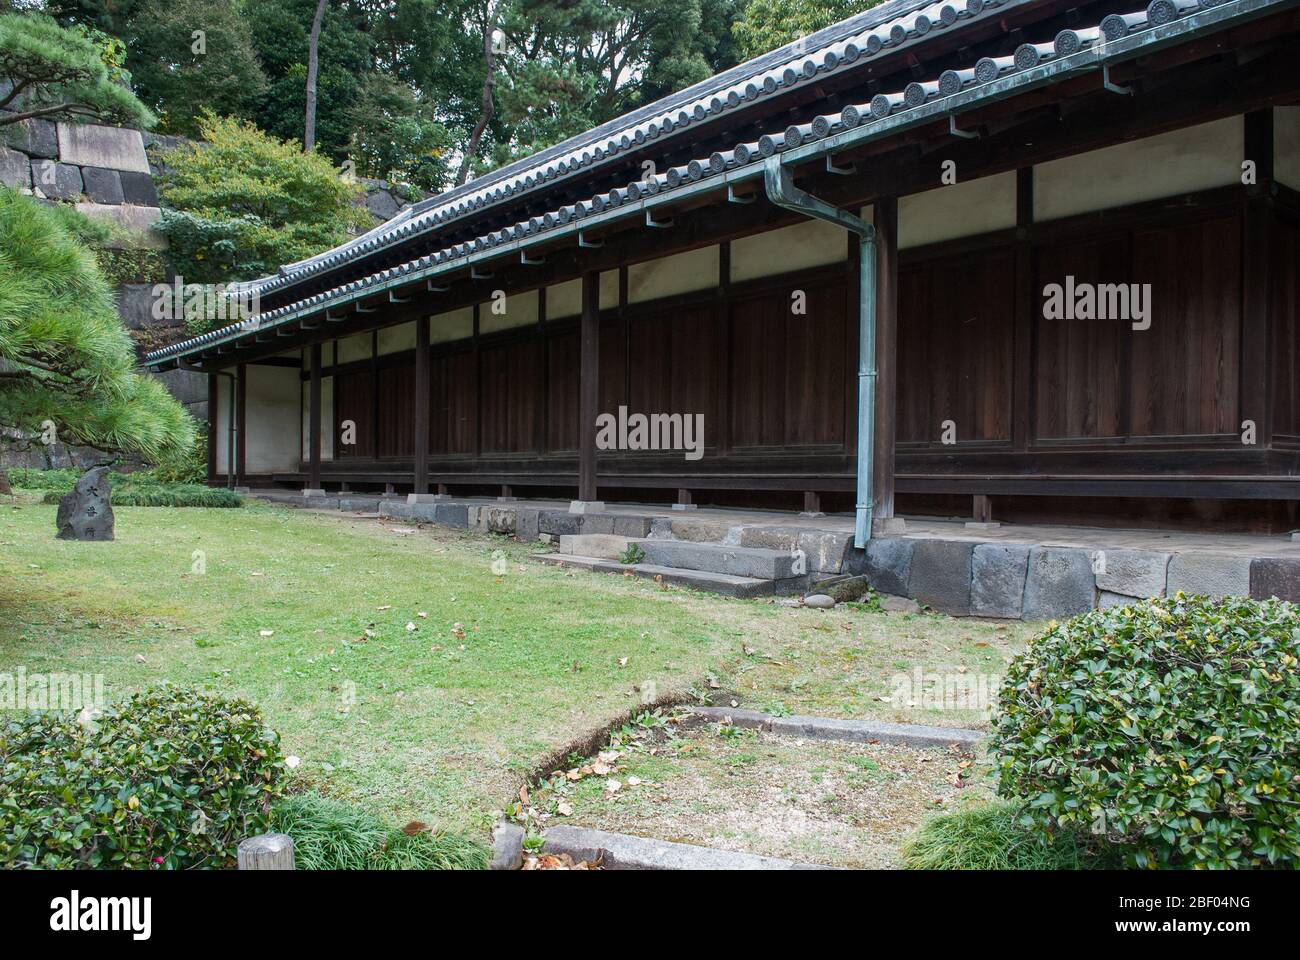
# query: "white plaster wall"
(356, 347)
(609, 290)
(963, 209)
(564, 300)
(1286, 146)
(796, 247)
(520, 311)
(453, 325)
(1195, 158)
(397, 339)
(326, 419)
(680, 273)
(272, 419)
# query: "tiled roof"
(1071, 51)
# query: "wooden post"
(313, 424)
(241, 422)
(588, 386)
(267, 851)
(982, 508)
(421, 405)
(885, 215)
(812, 503)
(1257, 285)
(214, 402)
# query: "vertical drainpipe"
(778, 180)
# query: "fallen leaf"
(414, 827)
(563, 809)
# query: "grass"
(331, 834)
(307, 614)
(139, 489)
(838, 804)
(989, 836)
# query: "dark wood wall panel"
(395, 385)
(354, 400)
(509, 394)
(1184, 372)
(1079, 370)
(1286, 328)
(956, 320)
(788, 370)
(563, 352)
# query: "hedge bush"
(169, 778)
(144, 488)
(1171, 727)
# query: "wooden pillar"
(885, 215)
(241, 423)
(214, 401)
(421, 405)
(313, 422)
(1256, 402)
(588, 386)
(1025, 298)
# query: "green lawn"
(442, 723)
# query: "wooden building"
(924, 179)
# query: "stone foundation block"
(1211, 574)
(1275, 577)
(1134, 573)
(940, 575)
(998, 574)
(1059, 584)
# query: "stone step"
(605, 546)
(728, 585)
(755, 562)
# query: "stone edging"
(852, 731)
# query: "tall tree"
(313, 68)
(490, 40)
(67, 363)
(57, 73)
(768, 24)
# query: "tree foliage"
(189, 55)
(65, 357)
(243, 203)
(768, 24)
(56, 73)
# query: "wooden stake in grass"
(267, 851)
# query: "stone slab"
(630, 526)
(507, 847)
(597, 523)
(1134, 573)
(621, 851)
(494, 519)
(527, 523)
(824, 550)
(37, 138)
(57, 181)
(998, 574)
(102, 186)
(853, 731)
(940, 575)
(1107, 600)
(887, 564)
(559, 522)
(135, 223)
(1216, 575)
(15, 169)
(604, 546)
(1059, 584)
(1275, 577)
(93, 145)
(720, 558)
(138, 188)
(451, 515)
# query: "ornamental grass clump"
(1170, 727)
(169, 778)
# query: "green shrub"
(144, 488)
(171, 778)
(991, 836)
(331, 834)
(1170, 726)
